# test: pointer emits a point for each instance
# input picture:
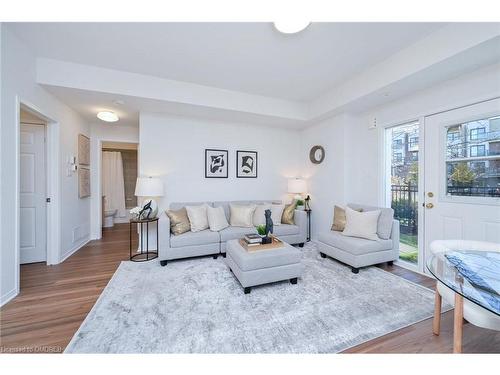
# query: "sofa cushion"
(241, 216)
(286, 230)
(354, 245)
(198, 217)
(232, 233)
(259, 217)
(361, 224)
(262, 259)
(179, 205)
(277, 213)
(179, 221)
(203, 237)
(216, 218)
(384, 226)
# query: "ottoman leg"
(223, 255)
(247, 290)
(215, 256)
(293, 281)
(322, 255)
(354, 270)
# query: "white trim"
(53, 187)
(8, 296)
(74, 249)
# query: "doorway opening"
(118, 178)
(402, 154)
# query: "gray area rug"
(197, 306)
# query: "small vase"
(266, 240)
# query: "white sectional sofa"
(206, 242)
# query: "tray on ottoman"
(253, 268)
(276, 244)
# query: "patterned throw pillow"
(289, 213)
(179, 221)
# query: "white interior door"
(33, 233)
(462, 174)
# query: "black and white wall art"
(216, 163)
(246, 164)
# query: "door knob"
(429, 205)
(430, 194)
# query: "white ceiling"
(247, 57)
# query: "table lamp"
(148, 187)
(297, 186)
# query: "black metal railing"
(404, 202)
(474, 191)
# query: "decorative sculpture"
(269, 227)
(307, 203)
(146, 211)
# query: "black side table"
(308, 212)
(145, 254)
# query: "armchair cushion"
(354, 245)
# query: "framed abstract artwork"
(216, 163)
(83, 182)
(83, 150)
(246, 164)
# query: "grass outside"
(408, 250)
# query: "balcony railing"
(404, 202)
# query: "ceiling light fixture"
(107, 116)
(291, 26)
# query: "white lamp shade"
(297, 186)
(149, 187)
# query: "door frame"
(53, 179)
(384, 195)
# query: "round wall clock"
(317, 154)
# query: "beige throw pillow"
(241, 216)
(179, 221)
(259, 216)
(197, 217)
(277, 213)
(216, 218)
(339, 218)
(288, 213)
(361, 224)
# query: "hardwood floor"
(54, 300)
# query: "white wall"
(100, 132)
(18, 81)
(352, 170)
(173, 148)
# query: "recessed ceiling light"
(118, 102)
(108, 116)
(291, 26)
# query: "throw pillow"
(361, 224)
(384, 228)
(241, 216)
(288, 213)
(216, 218)
(259, 217)
(277, 213)
(179, 221)
(339, 218)
(197, 217)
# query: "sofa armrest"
(163, 235)
(300, 218)
(395, 235)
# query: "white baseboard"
(74, 249)
(8, 296)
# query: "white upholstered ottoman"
(263, 266)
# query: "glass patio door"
(402, 180)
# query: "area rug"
(197, 306)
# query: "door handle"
(429, 205)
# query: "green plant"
(462, 175)
(261, 229)
(300, 202)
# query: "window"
(453, 136)
(397, 143)
(413, 142)
(479, 177)
(477, 133)
(478, 150)
(397, 157)
(414, 156)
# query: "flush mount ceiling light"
(291, 26)
(107, 116)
